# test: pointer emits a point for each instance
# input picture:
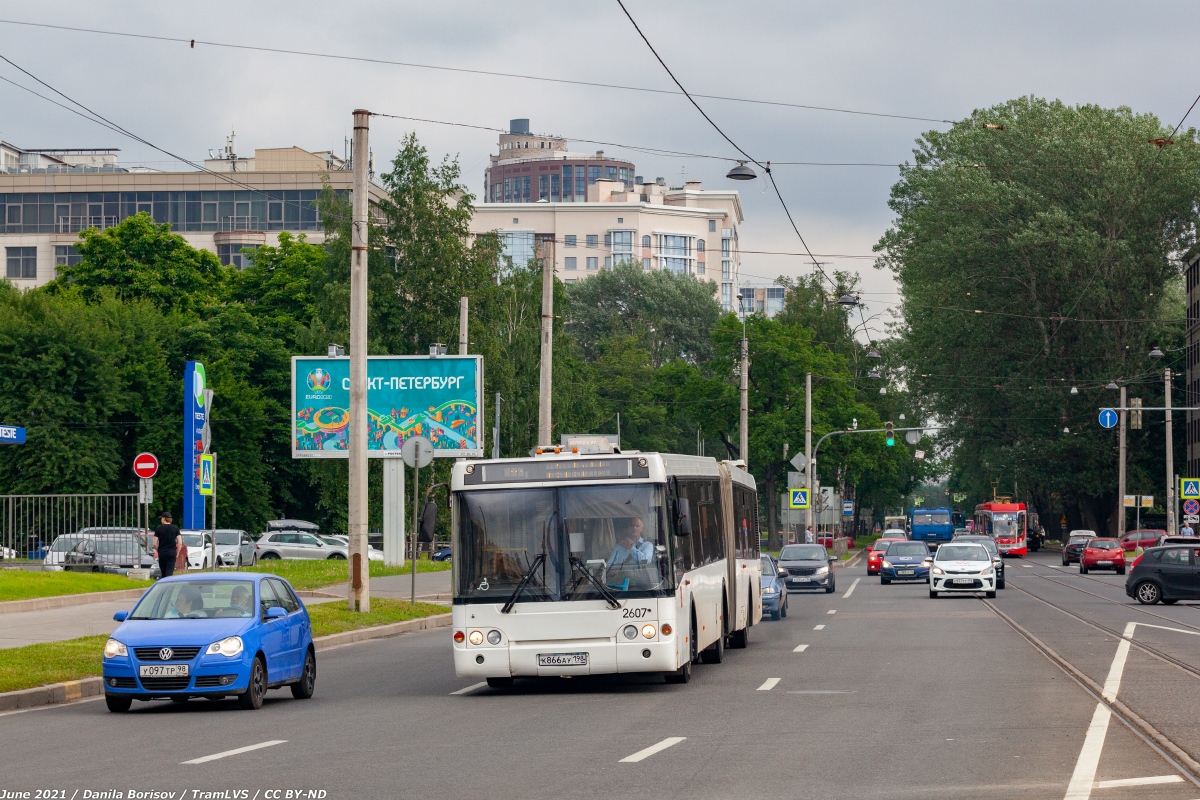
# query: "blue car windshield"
(767, 567)
(207, 599)
(907, 549)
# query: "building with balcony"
(765, 299)
(47, 196)
(687, 230)
(528, 168)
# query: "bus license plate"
(906, 572)
(562, 659)
(163, 670)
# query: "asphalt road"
(896, 696)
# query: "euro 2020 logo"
(318, 380)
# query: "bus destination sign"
(559, 470)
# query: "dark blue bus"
(930, 525)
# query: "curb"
(70, 691)
(66, 600)
(853, 560)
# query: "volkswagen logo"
(166, 653)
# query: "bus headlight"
(630, 632)
(476, 637)
(493, 637)
(648, 631)
(113, 648)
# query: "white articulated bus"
(601, 562)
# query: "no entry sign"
(145, 465)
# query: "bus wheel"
(681, 675)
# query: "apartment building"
(766, 299)
(47, 196)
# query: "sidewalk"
(56, 624)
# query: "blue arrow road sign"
(1108, 417)
(799, 498)
(11, 435)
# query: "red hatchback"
(875, 554)
(1102, 554)
(1144, 538)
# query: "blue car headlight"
(768, 590)
(229, 646)
(113, 648)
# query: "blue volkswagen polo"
(211, 636)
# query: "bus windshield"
(612, 535)
(1005, 524)
(927, 518)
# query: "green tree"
(1036, 248)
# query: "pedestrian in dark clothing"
(166, 539)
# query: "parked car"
(1139, 539)
(199, 549)
(1165, 540)
(235, 548)
(296, 544)
(62, 544)
(875, 554)
(193, 636)
(1167, 574)
(809, 567)
(1103, 553)
(442, 553)
(108, 554)
(373, 553)
(990, 545)
(905, 561)
(962, 567)
(1074, 546)
(774, 590)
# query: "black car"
(809, 567)
(1073, 549)
(1168, 574)
(990, 544)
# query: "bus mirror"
(683, 517)
(428, 522)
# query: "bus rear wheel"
(715, 652)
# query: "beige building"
(48, 196)
(688, 230)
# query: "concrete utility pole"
(1170, 455)
(359, 591)
(496, 430)
(744, 444)
(545, 382)
(809, 467)
(1121, 472)
(462, 326)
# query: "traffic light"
(889, 431)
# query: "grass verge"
(70, 660)
(19, 584)
(334, 617)
(50, 662)
(313, 574)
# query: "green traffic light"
(891, 442)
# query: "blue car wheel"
(303, 689)
(252, 698)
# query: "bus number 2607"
(635, 613)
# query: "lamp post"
(1157, 355)
(1121, 469)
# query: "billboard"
(195, 414)
(438, 397)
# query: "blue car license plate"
(906, 572)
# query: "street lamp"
(873, 353)
(848, 301)
(741, 173)
(1112, 385)
(1156, 353)
(1074, 390)
(874, 374)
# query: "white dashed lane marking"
(831, 611)
(850, 591)
(819, 628)
(800, 648)
(235, 752)
(670, 741)
(769, 684)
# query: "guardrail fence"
(29, 523)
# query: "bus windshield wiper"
(612, 600)
(512, 600)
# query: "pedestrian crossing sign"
(1189, 488)
(206, 474)
(798, 499)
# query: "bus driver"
(632, 549)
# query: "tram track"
(1163, 745)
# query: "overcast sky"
(935, 59)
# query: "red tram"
(1007, 523)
